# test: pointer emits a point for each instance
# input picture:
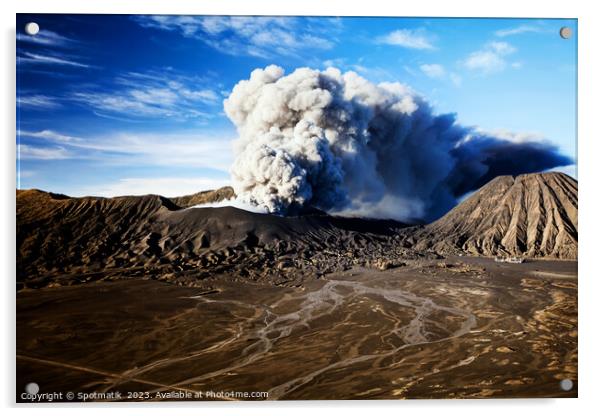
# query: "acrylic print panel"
(278, 208)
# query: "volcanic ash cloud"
(338, 142)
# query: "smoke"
(233, 202)
(342, 144)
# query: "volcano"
(160, 292)
(63, 239)
(533, 215)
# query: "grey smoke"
(340, 143)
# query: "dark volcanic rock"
(71, 240)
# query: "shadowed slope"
(141, 235)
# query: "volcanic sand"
(459, 327)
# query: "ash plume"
(338, 142)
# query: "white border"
(589, 188)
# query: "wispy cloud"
(46, 38)
(36, 58)
(501, 48)
(152, 94)
(247, 35)
(172, 150)
(165, 186)
(25, 152)
(517, 30)
(433, 70)
(408, 38)
(439, 72)
(43, 50)
(50, 135)
(489, 59)
(37, 101)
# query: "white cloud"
(121, 104)
(50, 135)
(407, 38)
(186, 150)
(517, 30)
(173, 150)
(491, 58)
(34, 152)
(166, 186)
(260, 36)
(38, 101)
(205, 95)
(485, 61)
(438, 71)
(155, 96)
(46, 37)
(433, 70)
(34, 58)
(167, 95)
(50, 41)
(501, 48)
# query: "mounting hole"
(565, 32)
(566, 384)
(32, 388)
(32, 28)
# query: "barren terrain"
(460, 328)
(146, 296)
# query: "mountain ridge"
(59, 237)
(533, 215)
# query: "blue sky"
(119, 104)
